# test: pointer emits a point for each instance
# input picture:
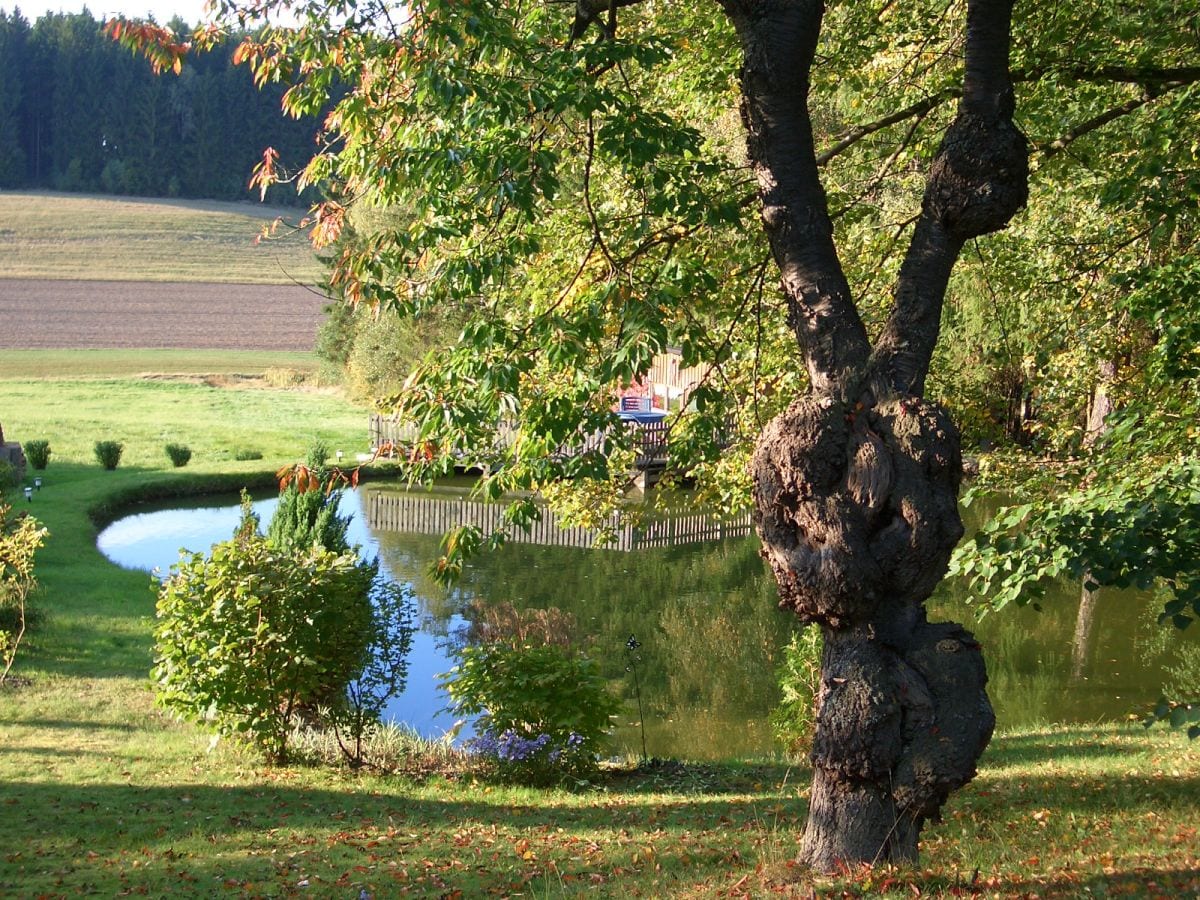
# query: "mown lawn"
(82, 237)
(104, 794)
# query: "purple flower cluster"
(511, 747)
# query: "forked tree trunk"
(858, 515)
(856, 484)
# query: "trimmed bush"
(179, 454)
(243, 453)
(108, 453)
(37, 453)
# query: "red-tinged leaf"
(330, 217)
(265, 173)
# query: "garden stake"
(631, 646)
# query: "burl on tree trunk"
(857, 510)
(856, 483)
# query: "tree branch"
(976, 185)
(588, 11)
(1059, 144)
(852, 136)
(779, 44)
(1149, 77)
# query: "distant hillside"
(79, 237)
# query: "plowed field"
(37, 314)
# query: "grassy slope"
(103, 794)
(75, 236)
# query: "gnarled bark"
(857, 511)
(856, 483)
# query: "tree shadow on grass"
(1173, 881)
(1010, 751)
(273, 839)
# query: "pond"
(699, 600)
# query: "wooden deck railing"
(651, 438)
(431, 513)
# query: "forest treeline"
(78, 112)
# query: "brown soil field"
(69, 315)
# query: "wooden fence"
(424, 513)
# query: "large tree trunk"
(856, 484)
(857, 511)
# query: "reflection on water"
(706, 618)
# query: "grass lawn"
(103, 794)
(39, 364)
(78, 236)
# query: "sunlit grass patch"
(82, 237)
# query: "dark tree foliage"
(79, 113)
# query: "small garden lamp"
(29, 494)
(37, 482)
(339, 457)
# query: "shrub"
(243, 453)
(108, 453)
(21, 536)
(252, 634)
(311, 517)
(307, 514)
(545, 712)
(355, 722)
(179, 454)
(38, 453)
(799, 677)
(8, 476)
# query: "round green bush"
(545, 711)
(38, 453)
(179, 454)
(108, 453)
(252, 635)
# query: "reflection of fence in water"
(433, 514)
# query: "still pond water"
(703, 612)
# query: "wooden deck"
(651, 440)
(432, 513)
